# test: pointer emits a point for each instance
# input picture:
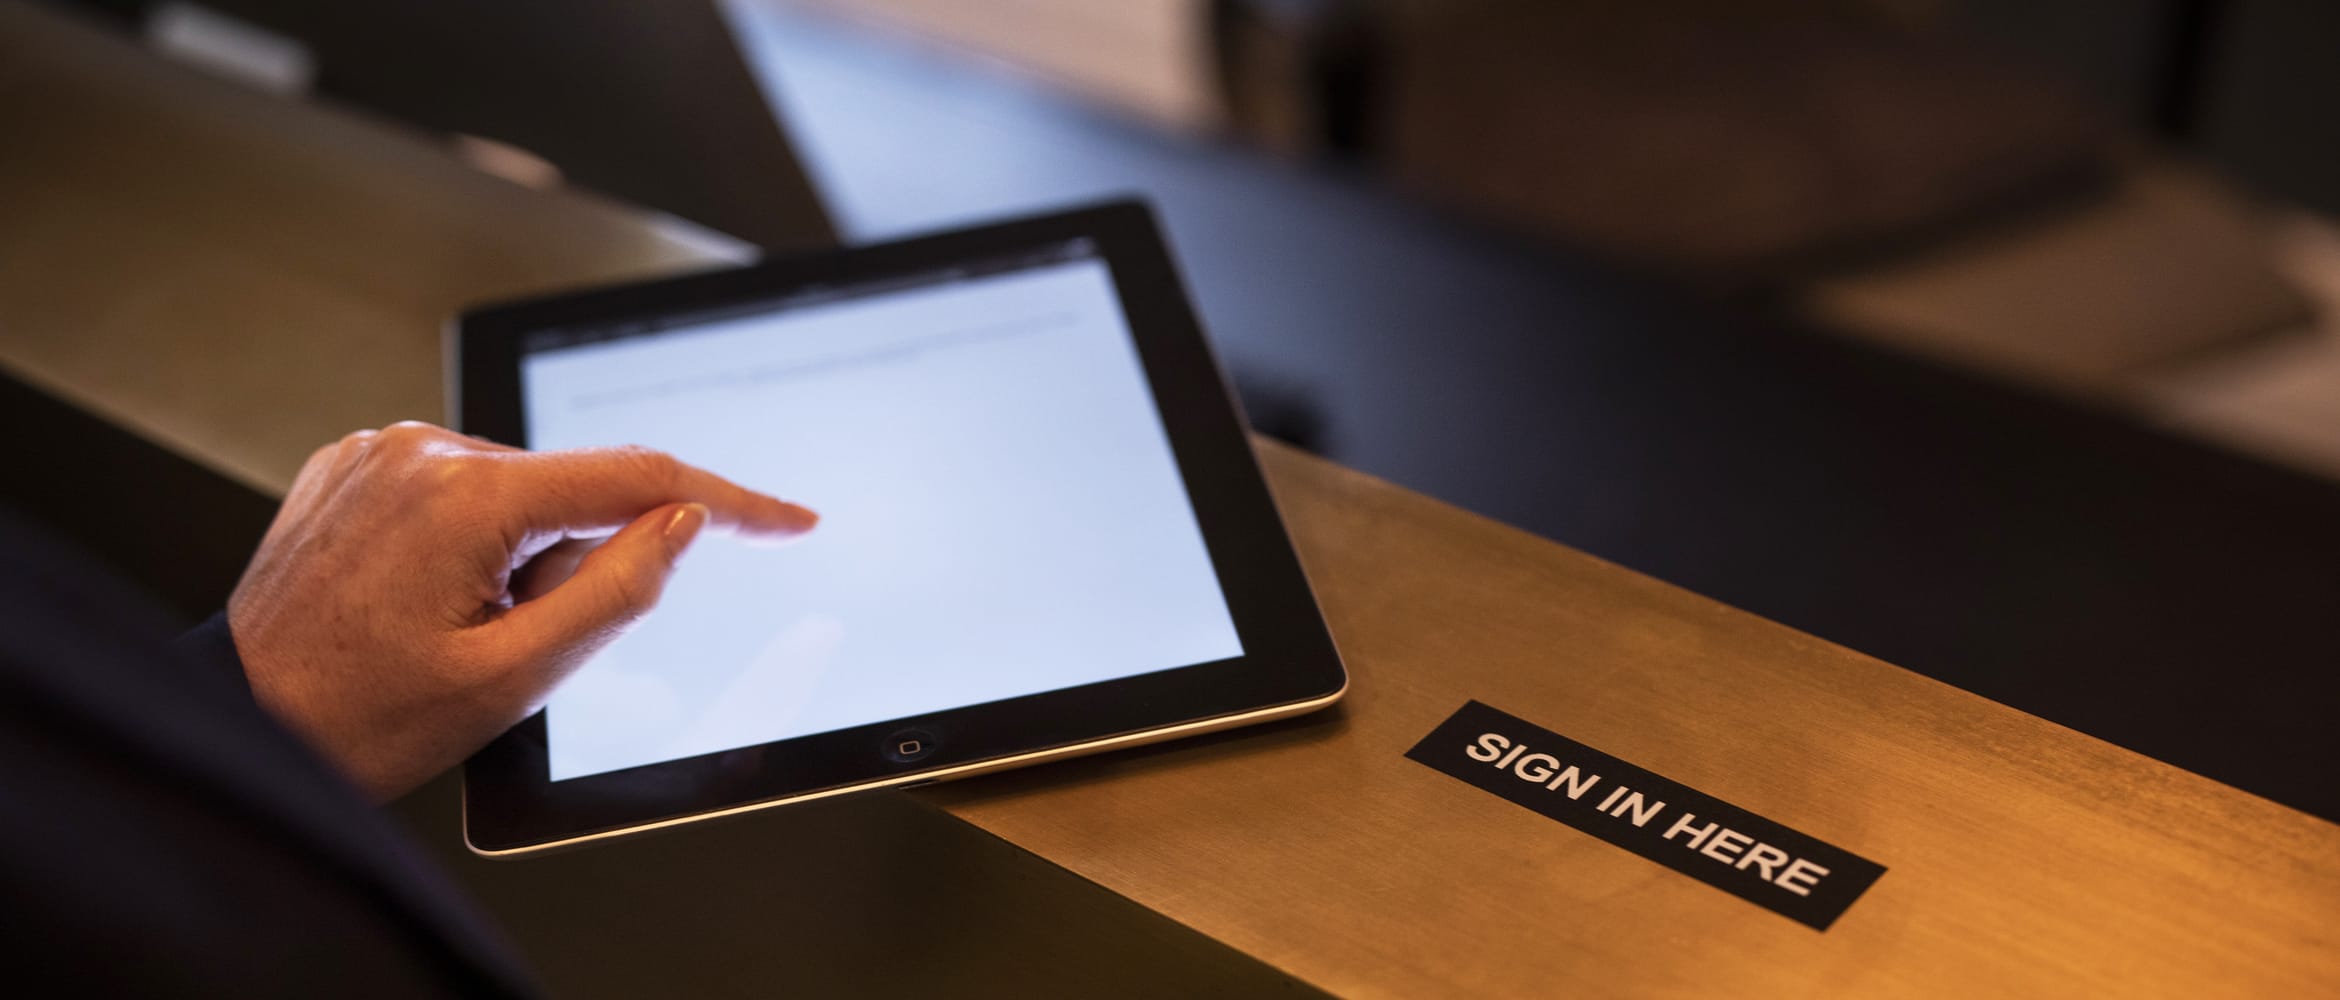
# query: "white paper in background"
(1001, 515)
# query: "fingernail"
(682, 526)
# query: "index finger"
(597, 490)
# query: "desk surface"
(2023, 858)
(185, 267)
(2021, 855)
(2073, 564)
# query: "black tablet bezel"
(1289, 659)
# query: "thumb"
(614, 585)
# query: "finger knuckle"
(462, 482)
(650, 464)
(418, 436)
(398, 440)
(631, 595)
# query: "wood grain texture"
(241, 280)
(2024, 858)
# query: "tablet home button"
(909, 745)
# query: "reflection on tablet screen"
(1000, 511)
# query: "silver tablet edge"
(1122, 741)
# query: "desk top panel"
(184, 256)
(2022, 857)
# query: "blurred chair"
(1867, 163)
(1732, 142)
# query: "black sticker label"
(1763, 862)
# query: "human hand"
(421, 591)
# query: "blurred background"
(1999, 340)
(2114, 201)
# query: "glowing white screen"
(1001, 514)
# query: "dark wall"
(2117, 50)
(2250, 84)
(2269, 114)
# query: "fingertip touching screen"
(1001, 511)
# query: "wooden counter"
(229, 274)
(284, 280)
(2023, 858)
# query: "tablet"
(1043, 532)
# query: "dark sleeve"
(209, 647)
(161, 835)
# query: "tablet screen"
(1001, 513)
